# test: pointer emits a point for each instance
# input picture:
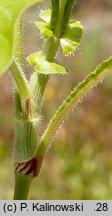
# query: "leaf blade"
(91, 81)
(43, 66)
(71, 37)
(9, 12)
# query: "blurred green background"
(79, 163)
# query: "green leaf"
(68, 46)
(44, 29)
(10, 10)
(75, 97)
(46, 15)
(74, 31)
(43, 66)
(70, 39)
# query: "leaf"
(44, 29)
(68, 46)
(71, 102)
(74, 31)
(45, 67)
(46, 15)
(10, 10)
(70, 40)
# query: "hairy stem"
(19, 54)
(30, 96)
(37, 86)
(72, 100)
(61, 11)
(38, 82)
(21, 83)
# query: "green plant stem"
(18, 108)
(37, 86)
(21, 83)
(50, 48)
(54, 14)
(19, 54)
(22, 186)
(72, 100)
(67, 13)
(25, 143)
(25, 136)
(38, 82)
(25, 139)
(26, 132)
(62, 4)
